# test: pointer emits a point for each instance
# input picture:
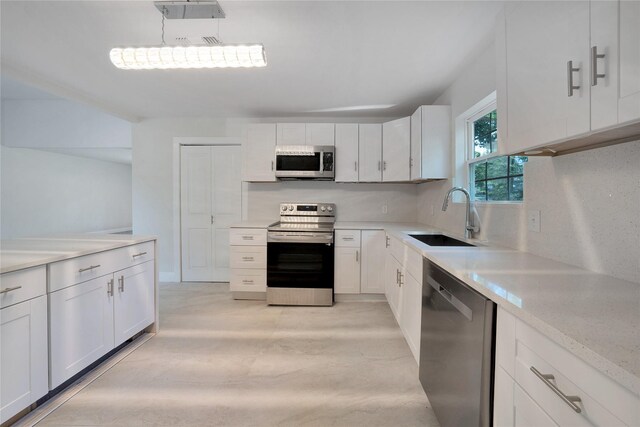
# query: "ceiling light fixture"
(165, 57)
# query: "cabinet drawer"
(600, 396)
(348, 238)
(248, 236)
(22, 285)
(136, 254)
(66, 273)
(248, 280)
(249, 257)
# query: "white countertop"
(594, 316)
(18, 254)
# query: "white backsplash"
(354, 202)
(589, 204)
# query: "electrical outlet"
(533, 221)
(384, 209)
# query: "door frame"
(179, 141)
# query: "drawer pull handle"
(82, 270)
(247, 237)
(121, 283)
(247, 258)
(6, 290)
(347, 238)
(569, 400)
(137, 255)
(247, 281)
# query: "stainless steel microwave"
(305, 162)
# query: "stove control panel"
(307, 209)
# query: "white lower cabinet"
(392, 288)
(410, 319)
(248, 263)
(81, 326)
(133, 306)
(23, 355)
(372, 265)
(347, 271)
(529, 365)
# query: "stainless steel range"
(300, 255)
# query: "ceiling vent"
(210, 40)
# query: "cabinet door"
(396, 150)
(541, 37)
(259, 153)
(23, 356)
(435, 135)
(392, 285)
(81, 327)
(134, 296)
(416, 145)
(410, 317)
(320, 134)
(347, 152)
(604, 39)
(347, 270)
(370, 152)
(372, 269)
(291, 134)
(629, 103)
(503, 399)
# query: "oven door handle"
(300, 239)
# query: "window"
(492, 178)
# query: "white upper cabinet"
(547, 72)
(568, 74)
(370, 152)
(319, 134)
(346, 152)
(629, 67)
(431, 142)
(396, 150)
(259, 153)
(305, 134)
(291, 134)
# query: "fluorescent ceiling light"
(172, 57)
(353, 108)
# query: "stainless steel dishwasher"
(456, 349)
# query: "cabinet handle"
(357, 256)
(212, 219)
(401, 282)
(378, 164)
(355, 166)
(110, 288)
(137, 255)
(384, 165)
(410, 162)
(82, 270)
(271, 164)
(569, 400)
(570, 70)
(246, 281)
(347, 238)
(247, 258)
(386, 242)
(6, 290)
(121, 284)
(397, 276)
(247, 237)
(594, 66)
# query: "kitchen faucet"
(469, 227)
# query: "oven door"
(298, 264)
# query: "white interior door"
(211, 200)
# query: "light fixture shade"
(172, 57)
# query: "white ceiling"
(322, 55)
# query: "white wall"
(45, 193)
(589, 201)
(156, 206)
(52, 123)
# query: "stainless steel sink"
(439, 240)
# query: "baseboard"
(359, 298)
(258, 296)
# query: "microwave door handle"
(322, 162)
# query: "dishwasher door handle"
(461, 307)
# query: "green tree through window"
(497, 178)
